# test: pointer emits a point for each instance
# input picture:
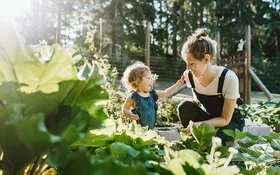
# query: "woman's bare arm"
(225, 118)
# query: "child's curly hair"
(133, 75)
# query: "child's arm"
(127, 105)
(167, 92)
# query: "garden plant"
(60, 114)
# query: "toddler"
(140, 104)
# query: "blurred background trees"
(118, 26)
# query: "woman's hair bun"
(201, 32)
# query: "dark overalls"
(214, 105)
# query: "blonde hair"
(199, 44)
(133, 75)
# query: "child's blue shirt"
(146, 108)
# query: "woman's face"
(146, 84)
(197, 67)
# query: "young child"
(140, 104)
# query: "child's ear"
(206, 58)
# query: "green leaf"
(175, 166)
(191, 170)
(273, 170)
(78, 162)
(275, 144)
(161, 168)
(45, 77)
(192, 157)
(123, 152)
(94, 141)
(204, 133)
(232, 170)
(24, 139)
(43, 105)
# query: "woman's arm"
(126, 109)
(221, 121)
(167, 92)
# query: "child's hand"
(134, 117)
(181, 81)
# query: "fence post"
(248, 66)
(147, 44)
(218, 56)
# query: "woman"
(215, 87)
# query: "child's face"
(146, 84)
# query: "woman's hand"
(195, 101)
(189, 129)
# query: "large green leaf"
(23, 139)
(43, 104)
(45, 77)
(204, 133)
(11, 50)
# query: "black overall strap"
(221, 80)
(191, 79)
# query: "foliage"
(264, 112)
(117, 148)
(112, 84)
(259, 154)
(172, 21)
(187, 161)
(133, 148)
(167, 112)
(200, 140)
(46, 101)
(267, 70)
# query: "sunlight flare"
(13, 8)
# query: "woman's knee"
(185, 107)
(184, 112)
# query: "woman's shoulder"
(231, 78)
(229, 75)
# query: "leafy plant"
(167, 112)
(112, 84)
(187, 161)
(45, 101)
(265, 112)
(200, 140)
(122, 146)
(259, 154)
